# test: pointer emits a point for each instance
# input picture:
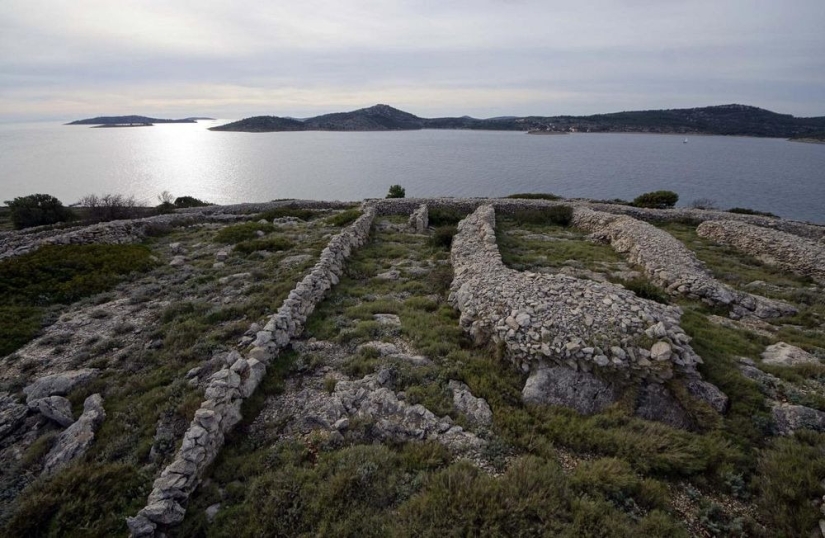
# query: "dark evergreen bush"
(37, 210)
(396, 191)
(656, 199)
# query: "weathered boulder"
(656, 403)
(56, 408)
(58, 384)
(788, 418)
(564, 386)
(474, 408)
(77, 438)
(419, 220)
(782, 354)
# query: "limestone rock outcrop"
(58, 384)
(782, 354)
(74, 441)
(419, 220)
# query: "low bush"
(242, 232)
(789, 474)
(535, 196)
(656, 199)
(344, 218)
(58, 274)
(85, 499)
(37, 210)
(442, 236)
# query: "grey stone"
(387, 319)
(789, 418)
(708, 393)
(77, 438)
(782, 354)
(477, 410)
(558, 385)
(59, 384)
(56, 408)
(656, 403)
(211, 511)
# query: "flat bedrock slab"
(782, 354)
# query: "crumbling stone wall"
(419, 220)
(230, 386)
(789, 252)
(670, 264)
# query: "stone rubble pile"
(671, 265)
(578, 326)
(229, 387)
(792, 253)
(419, 220)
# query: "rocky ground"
(387, 417)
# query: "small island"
(733, 120)
(131, 121)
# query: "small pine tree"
(656, 199)
(396, 191)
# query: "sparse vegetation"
(747, 211)
(344, 218)
(247, 231)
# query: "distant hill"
(719, 120)
(124, 120)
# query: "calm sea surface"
(68, 162)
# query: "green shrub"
(535, 196)
(443, 236)
(189, 201)
(344, 218)
(58, 274)
(37, 210)
(270, 244)
(789, 473)
(396, 191)
(89, 499)
(746, 211)
(242, 232)
(656, 199)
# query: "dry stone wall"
(419, 220)
(671, 265)
(237, 380)
(789, 252)
(563, 330)
(404, 206)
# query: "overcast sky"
(68, 59)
